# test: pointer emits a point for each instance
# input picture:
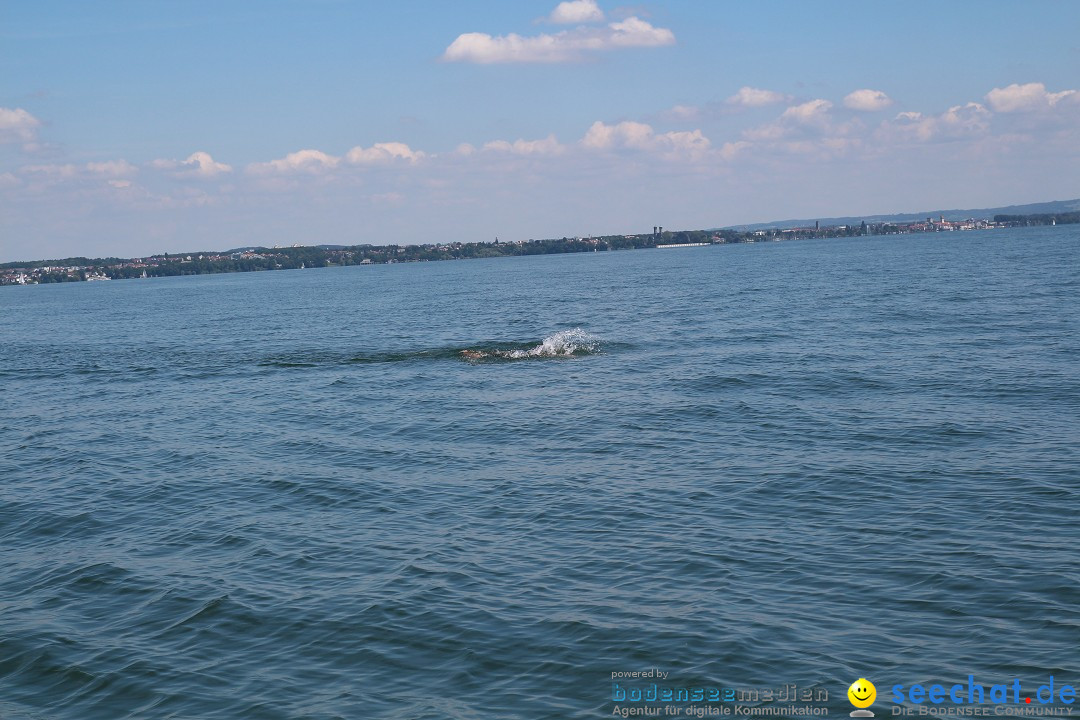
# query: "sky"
(139, 127)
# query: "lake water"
(289, 495)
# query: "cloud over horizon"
(669, 154)
(801, 127)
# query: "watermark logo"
(862, 694)
(973, 698)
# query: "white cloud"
(966, 119)
(17, 126)
(808, 117)
(198, 164)
(634, 32)
(311, 162)
(640, 136)
(601, 136)
(564, 46)
(1027, 97)
(546, 146)
(958, 121)
(805, 129)
(383, 153)
(814, 111)
(756, 97)
(867, 100)
(573, 12)
(686, 143)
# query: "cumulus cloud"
(628, 133)
(1028, 97)
(198, 164)
(867, 100)
(958, 121)
(640, 136)
(634, 32)
(565, 46)
(574, 12)
(312, 162)
(383, 153)
(545, 146)
(814, 111)
(17, 125)
(756, 97)
(804, 129)
(965, 119)
(686, 143)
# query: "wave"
(565, 343)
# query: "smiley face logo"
(862, 693)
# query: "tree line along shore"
(253, 259)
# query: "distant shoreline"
(255, 259)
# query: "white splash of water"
(561, 344)
(564, 343)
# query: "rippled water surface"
(476, 489)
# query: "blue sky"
(131, 128)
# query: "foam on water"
(565, 343)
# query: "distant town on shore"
(253, 259)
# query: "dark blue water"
(289, 494)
